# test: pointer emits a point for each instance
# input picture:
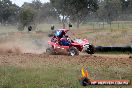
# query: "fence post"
(110, 27)
(93, 26)
(118, 26)
(103, 25)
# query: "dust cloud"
(23, 43)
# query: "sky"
(20, 2)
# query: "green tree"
(76, 10)
(7, 9)
(126, 6)
(27, 17)
(81, 8)
(109, 10)
(62, 8)
(36, 4)
(48, 13)
(124, 3)
(30, 14)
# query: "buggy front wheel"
(73, 51)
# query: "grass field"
(35, 70)
(43, 71)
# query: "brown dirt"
(45, 60)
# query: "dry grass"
(108, 38)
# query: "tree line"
(72, 11)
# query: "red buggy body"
(73, 48)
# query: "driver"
(65, 41)
(61, 38)
(57, 36)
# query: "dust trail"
(23, 44)
(36, 46)
(10, 48)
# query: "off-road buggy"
(62, 42)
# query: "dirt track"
(13, 46)
(44, 60)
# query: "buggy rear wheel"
(73, 51)
(50, 51)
